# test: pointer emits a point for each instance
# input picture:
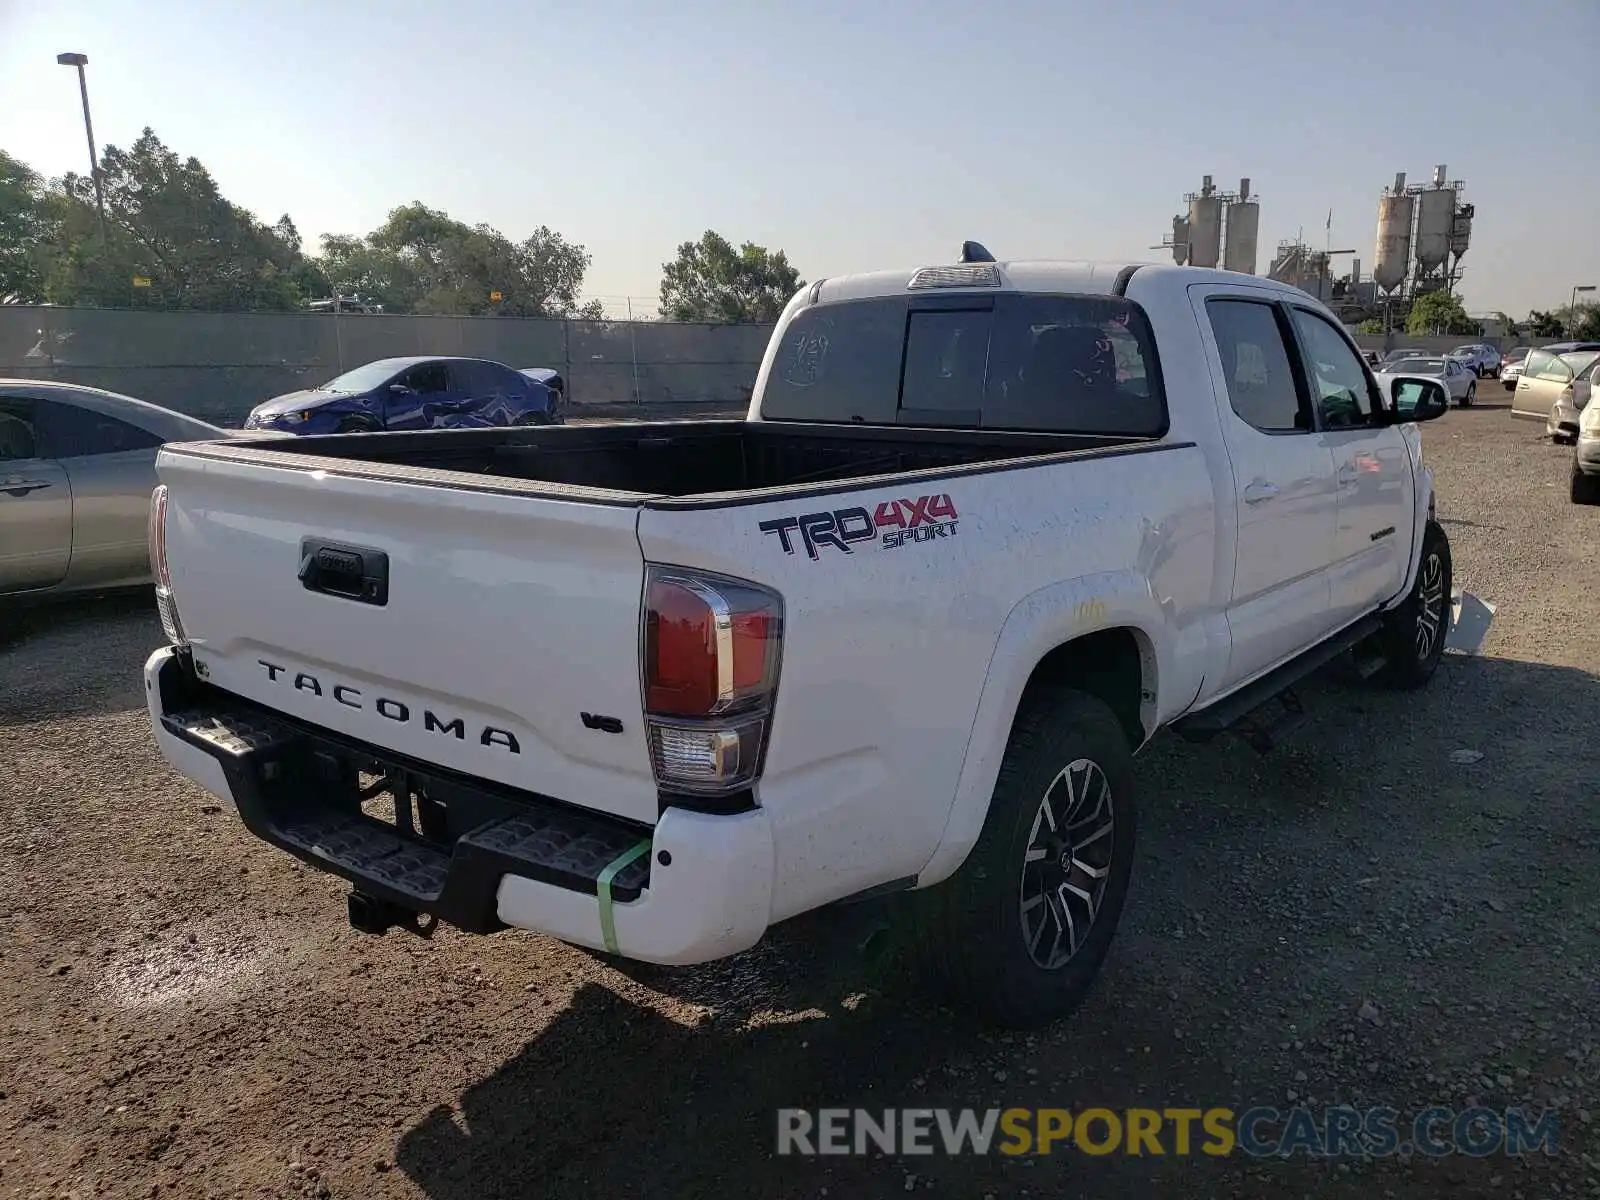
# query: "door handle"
(1260, 490)
(1346, 474)
(21, 487)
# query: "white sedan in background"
(1459, 380)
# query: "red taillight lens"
(710, 644)
(680, 651)
(712, 647)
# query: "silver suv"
(1480, 359)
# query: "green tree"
(1508, 327)
(1544, 324)
(169, 223)
(1577, 321)
(423, 260)
(1438, 313)
(1371, 326)
(711, 281)
(30, 230)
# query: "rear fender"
(1040, 623)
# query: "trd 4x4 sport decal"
(893, 523)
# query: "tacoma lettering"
(389, 708)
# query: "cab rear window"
(1059, 364)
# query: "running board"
(1242, 708)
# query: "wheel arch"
(1105, 643)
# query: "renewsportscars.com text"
(1336, 1131)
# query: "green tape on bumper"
(608, 926)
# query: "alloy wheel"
(1067, 863)
(1430, 607)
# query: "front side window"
(427, 379)
(1255, 366)
(1541, 364)
(1338, 379)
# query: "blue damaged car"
(413, 393)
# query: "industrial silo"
(1244, 219)
(1391, 255)
(1461, 232)
(1180, 240)
(1436, 221)
(1205, 226)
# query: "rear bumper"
(494, 858)
(1587, 455)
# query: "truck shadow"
(1253, 906)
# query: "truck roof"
(1073, 277)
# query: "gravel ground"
(1357, 918)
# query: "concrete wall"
(219, 365)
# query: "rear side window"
(68, 431)
(1255, 365)
(1058, 364)
(17, 439)
(1073, 364)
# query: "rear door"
(35, 503)
(1283, 480)
(112, 465)
(1371, 467)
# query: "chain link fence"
(217, 366)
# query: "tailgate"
(506, 627)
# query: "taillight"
(165, 604)
(712, 648)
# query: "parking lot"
(1362, 917)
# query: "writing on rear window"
(887, 525)
(1057, 364)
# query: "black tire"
(532, 418)
(1585, 489)
(1414, 631)
(1472, 394)
(972, 931)
(357, 425)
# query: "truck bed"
(667, 459)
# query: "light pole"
(80, 61)
(1572, 306)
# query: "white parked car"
(1482, 360)
(1457, 378)
(986, 528)
(1511, 367)
(1586, 457)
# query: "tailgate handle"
(350, 572)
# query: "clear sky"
(852, 135)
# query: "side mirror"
(1418, 399)
(399, 389)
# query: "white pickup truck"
(653, 688)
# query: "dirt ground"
(1357, 918)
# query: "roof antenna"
(972, 252)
